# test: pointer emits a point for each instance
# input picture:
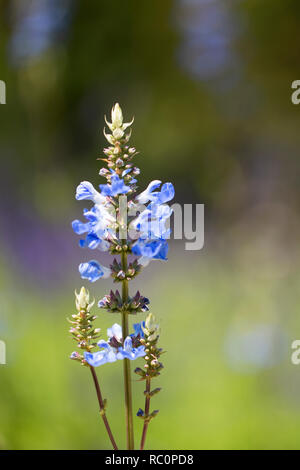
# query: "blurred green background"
(209, 84)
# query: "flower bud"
(75, 356)
(139, 371)
(117, 150)
(119, 162)
(82, 299)
(118, 133)
(150, 322)
(153, 336)
(116, 116)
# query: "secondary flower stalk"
(84, 334)
(153, 367)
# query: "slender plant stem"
(147, 409)
(126, 362)
(102, 408)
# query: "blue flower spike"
(121, 221)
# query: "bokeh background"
(209, 84)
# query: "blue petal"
(128, 344)
(140, 352)
(116, 187)
(103, 344)
(91, 241)
(115, 330)
(92, 271)
(145, 196)
(95, 359)
(86, 190)
(155, 249)
(80, 227)
(101, 357)
(138, 330)
(111, 356)
(128, 352)
(90, 214)
(166, 194)
(125, 172)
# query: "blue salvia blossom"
(93, 271)
(116, 187)
(152, 232)
(164, 195)
(115, 348)
(143, 233)
(101, 220)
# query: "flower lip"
(113, 350)
(153, 249)
(85, 190)
(144, 197)
(116, 331)
(116, 187)
(93, 271)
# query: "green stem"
(126, 362)
(147, 409)
(102, 408)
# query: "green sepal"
(154, 392)
(140, 372)
(153, 414)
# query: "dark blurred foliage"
(207, 81)
(206, 131)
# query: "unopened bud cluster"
(152, 366)
(133, 269)
(82, 329)
(112, 302)
(119, 154)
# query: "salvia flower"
(160, 197)
(87, 191)
(115, 348)
(128, 351)
(93, 271)
(116, 187)
(147, 195)
(151, 225)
